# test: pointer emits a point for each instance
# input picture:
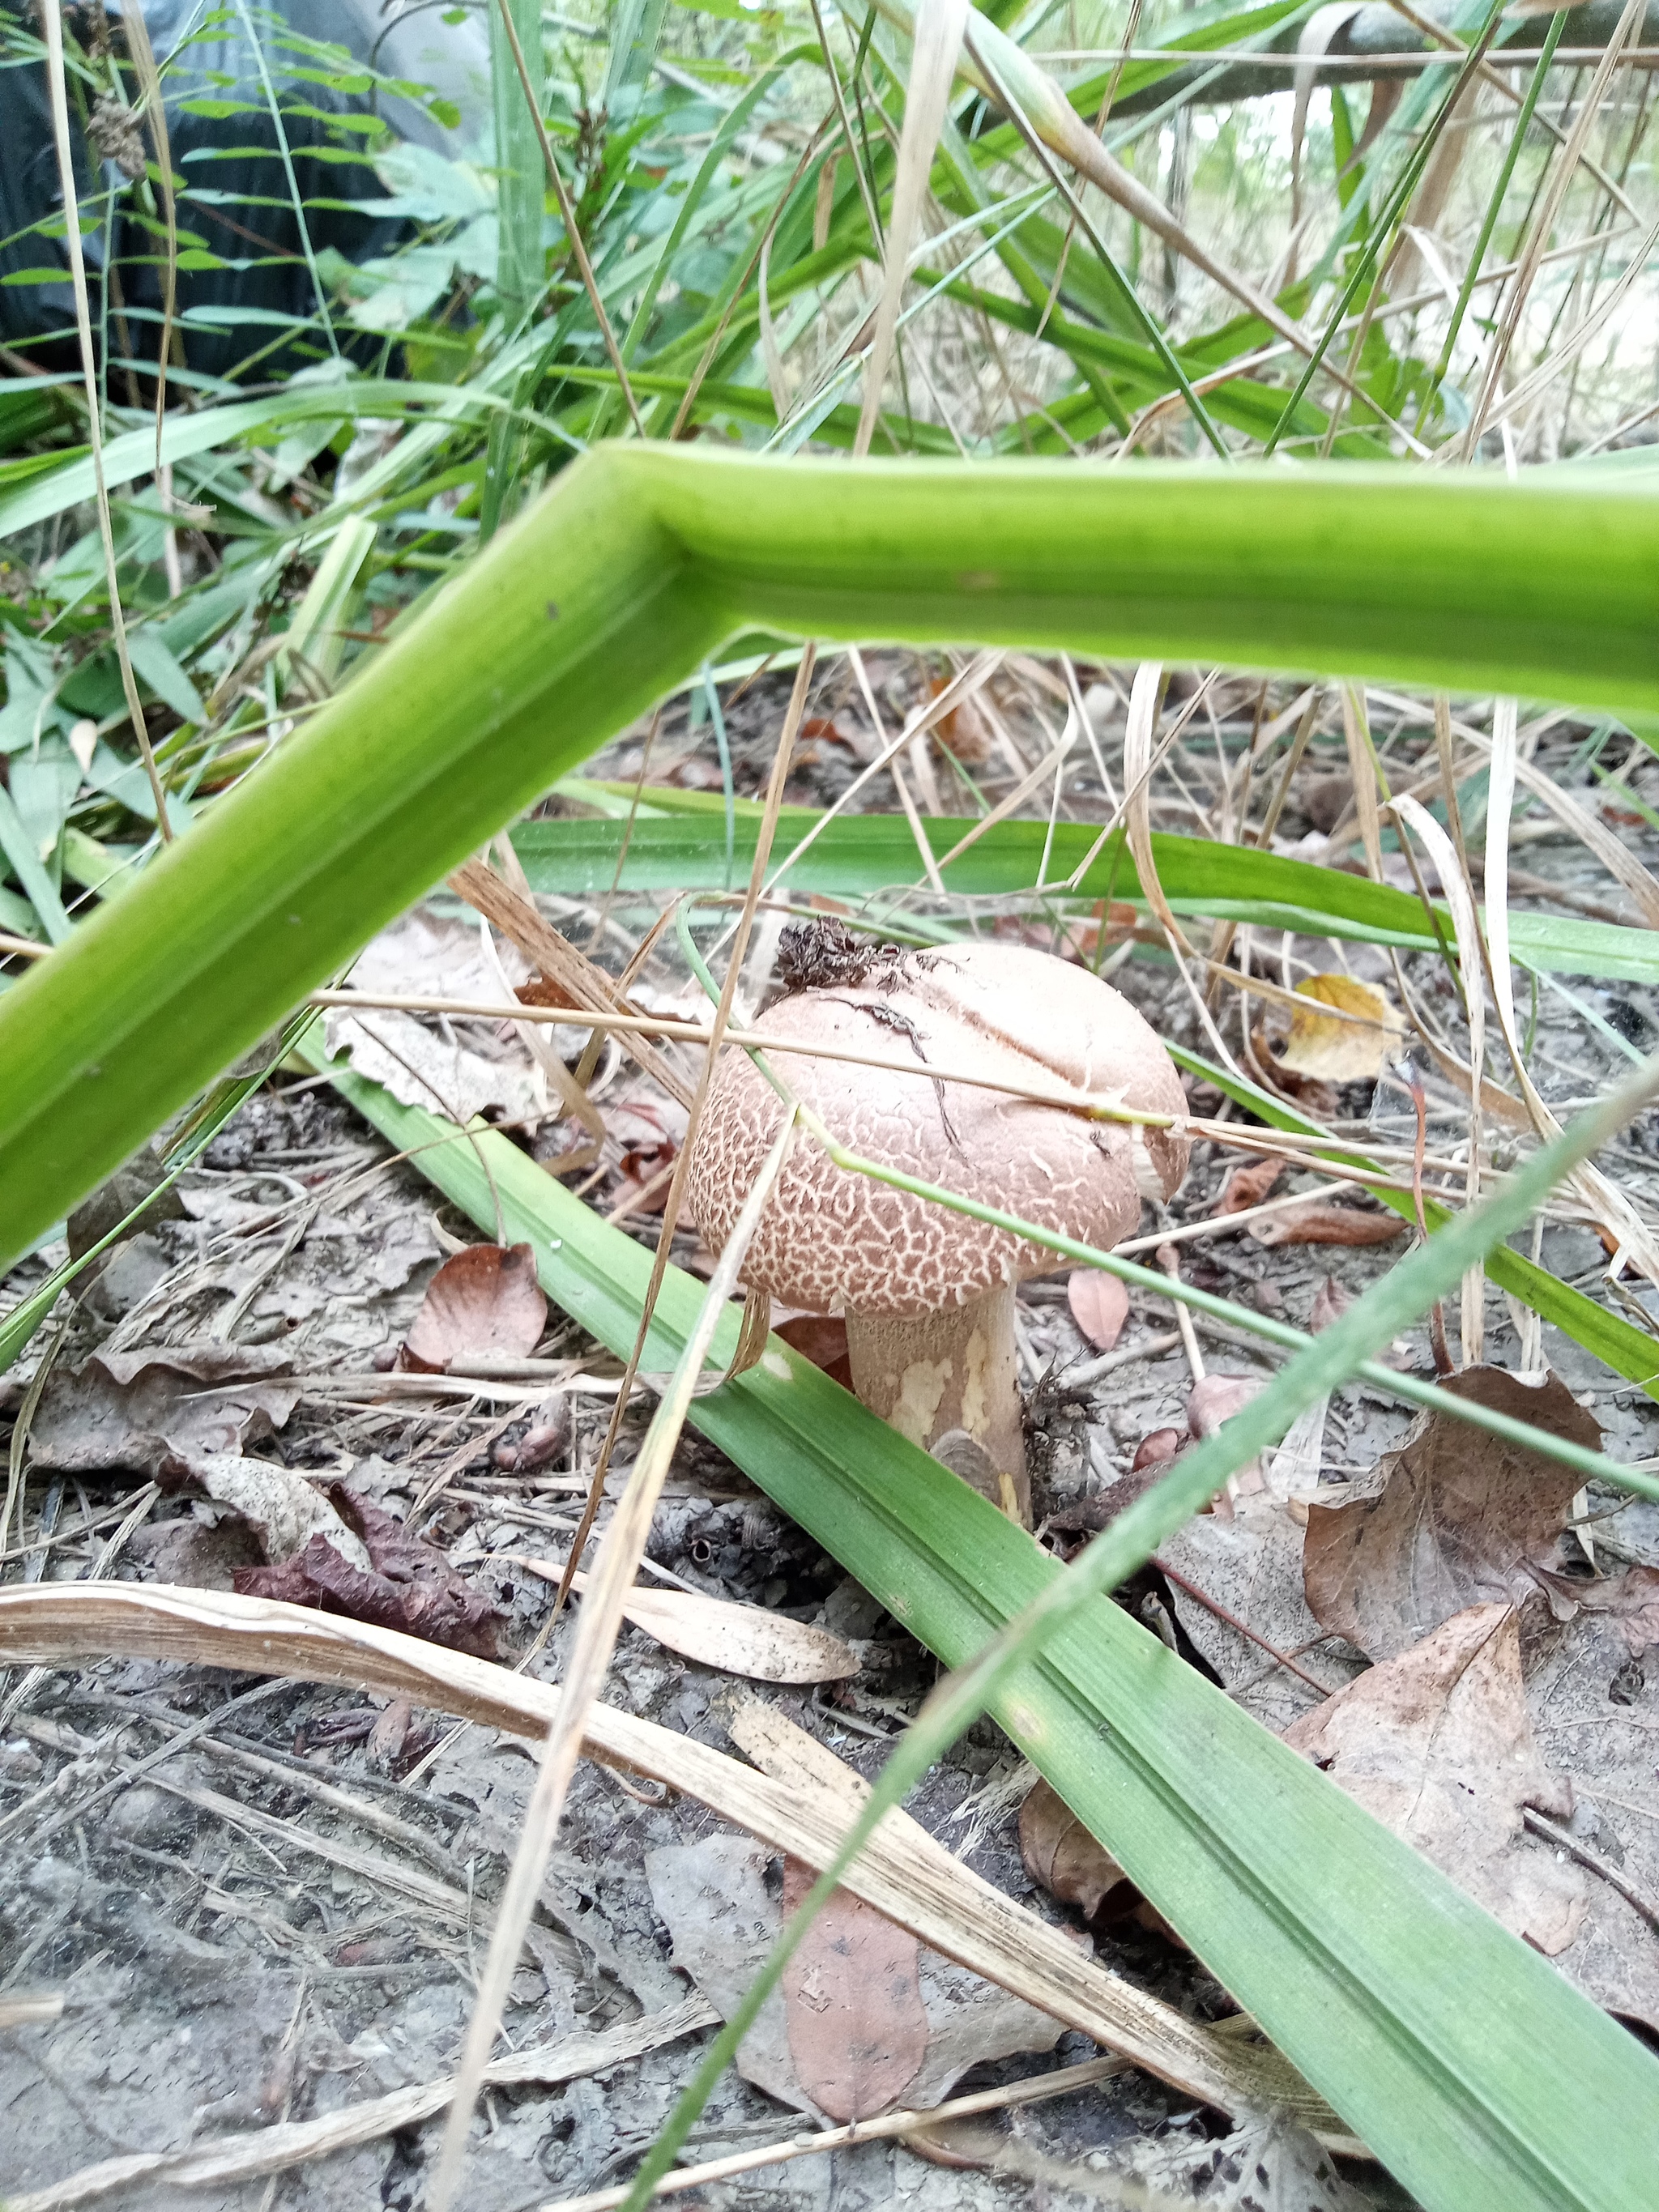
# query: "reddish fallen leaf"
(1099, 1303)
(1330, 1302)
(484, 1302)
(1452, 1517)
(1249, 1183)
(821, 1338)
(1216, 1400)
(858, 2033)
(408, 1585)
(1212, 1401)
(543, 991)
(1161, 1444)
(547, 1438)
(1072, 1865)
(1317, 1222)
(638, 1190)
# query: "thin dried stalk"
(937, 44)
(601, 1621)
(276, 2149)
(884, 2128)
(933, 1895)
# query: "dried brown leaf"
(1330, 1302)
(1252, 1565)
(484, 1302)
(858, 2033)
(1630, 1601)
(130, 1409)
(735, 1639)
(1453, 1517)
(1266, 2164)
(724, 1918)
(1216, 1400)
(821, 1338)
(1062, 1856)
(1331, 1049)
(1099, 1303)
(1249, 1183)
(1437, 1742)
(283, 1509)
(1594, 1695)
(1318, 1222)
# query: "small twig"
(1414, 1082)
(1214, 1605)
(1169, 1259)
(887, 2125)
(1615, 1877)
(1078, 1377)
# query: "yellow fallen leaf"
(1348, 1045)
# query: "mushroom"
(928, 1293)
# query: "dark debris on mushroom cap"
(832, 1241)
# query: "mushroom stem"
(957, 1368)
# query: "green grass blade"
(1441, 2038)
(632, 569)
(859, 856)
(1628, 1350)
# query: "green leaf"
(861, 854)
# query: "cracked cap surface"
(833, 1242)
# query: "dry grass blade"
(241, 2158)
(52, 28)
(1590, 326)
(590, 1659)
(1362, 767)
(928, 1893)
(961, 688)
(586, 985)
(1612, 853)
(1145, 700)
(1471, 961)
(734, 1639)
(937, 45)
(1555, 192)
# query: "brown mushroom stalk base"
(957, 1369)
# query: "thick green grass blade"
(1443, 2040)
(859, 855)
(635, 566)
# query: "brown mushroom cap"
(832, 1241)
